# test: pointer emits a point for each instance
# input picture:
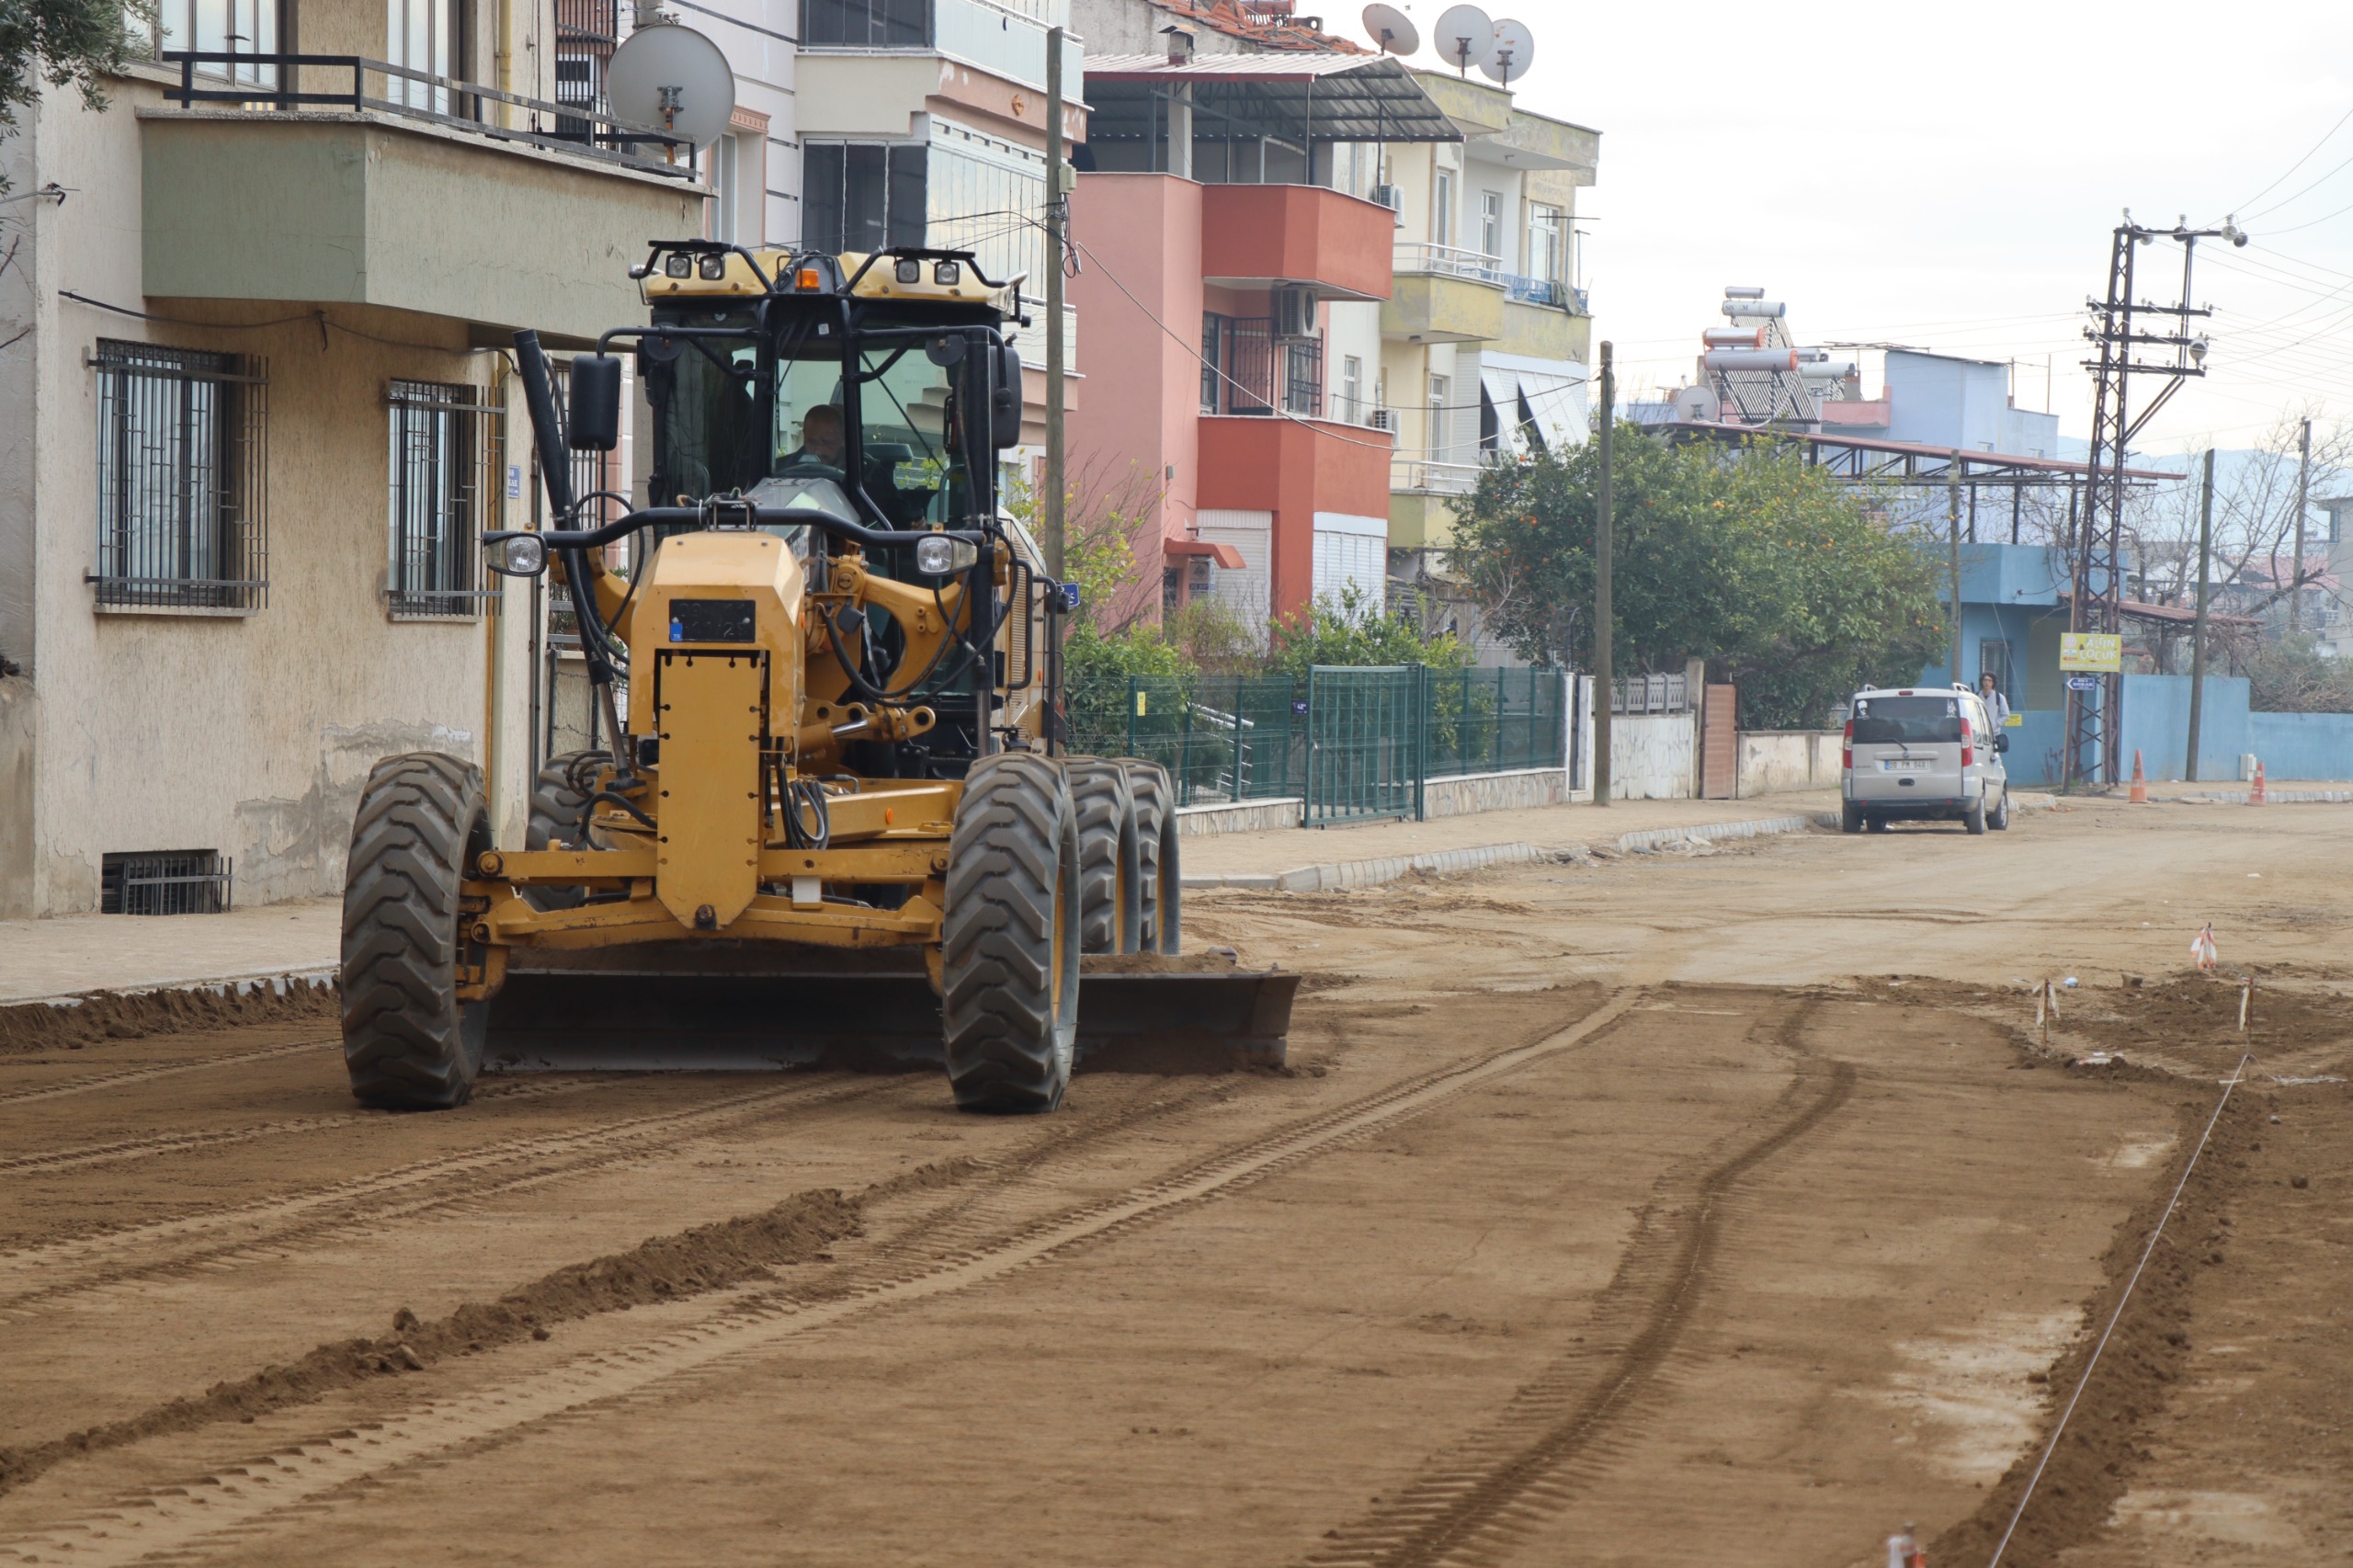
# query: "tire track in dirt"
(35, 1275)
(169, 1142)
(93, 1082)
(1561, 1430)
(240, 1501)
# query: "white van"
(1922, 752)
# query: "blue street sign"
(1070, 597)
(2082, 683)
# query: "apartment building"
(1234, 274)
(254, 412)
(1487, 339)
(922, 123)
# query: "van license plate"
(1904, 765)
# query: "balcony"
(1442, 295)
(345, 181)
(1254, 237)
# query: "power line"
(2299, 164)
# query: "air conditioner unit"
(1389, 196)
(1383, 419)
(1292, 305)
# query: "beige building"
(254, 414)
(1487, 341)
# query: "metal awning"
(1298, 97)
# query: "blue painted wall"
(2291, 745)
(2157, 722)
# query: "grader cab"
(836, 819)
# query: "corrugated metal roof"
(1296, 96)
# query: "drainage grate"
(165, 882)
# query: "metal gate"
(1365, 741)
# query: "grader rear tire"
(1009, 941)
(409, 1043)
(555, 817)
(1164, 887)
(1110, 861)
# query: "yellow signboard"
(2100, 651)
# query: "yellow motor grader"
(835, 820)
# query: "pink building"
(1232, 298)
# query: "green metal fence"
(1353, 742)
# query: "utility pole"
(1952, 534)
(1057, 216)
(2128, 346)
(1604, 676)
(2303, 490)
(2197, 634)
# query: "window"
(1544, 248)
(165, 882)
(445, 462)
(1212, 359)
(1352, 389)
(1437, 440)
(1491, 222)
(865, 24)
(587, 32)
(180, 460)
(862, 196)
(979, 188)
(1442, 210)
(1994, 659)
(423, 35)
(223, 26)
(1303, 377)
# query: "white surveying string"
(2146, 1252)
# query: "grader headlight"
(940, 556)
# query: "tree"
(65, 42)
(1749, 559)
(1353, 629)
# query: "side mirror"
(2001, 742)
(596, 422)
(1004, 398)
(513, 554)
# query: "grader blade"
(718, 1006)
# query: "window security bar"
(446, 451)
(182, 448)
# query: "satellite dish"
(1463, 36)
(1392, 28)
(1512, 53)
(672, 78)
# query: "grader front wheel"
(1009, 943)
(409, 1042)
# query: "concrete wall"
(248, 733)
(1776, 760)
(1653, 757)
(1465, 794)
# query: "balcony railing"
(460, 106)
(1545, 292)
(1449, 261)
(1436, 478)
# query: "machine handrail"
(750, 516)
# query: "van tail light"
(1847, 748)
(1968, 744)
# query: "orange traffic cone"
(2254, 796)
(2139, 784)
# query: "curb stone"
(1389, 869)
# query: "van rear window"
(1913, 720)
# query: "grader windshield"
(789, 406)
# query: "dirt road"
(1664, 1208)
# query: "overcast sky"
(1948, 177)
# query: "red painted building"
(1218, 412)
